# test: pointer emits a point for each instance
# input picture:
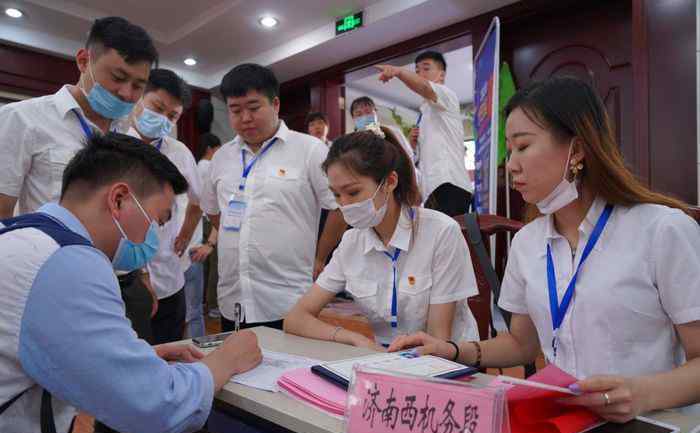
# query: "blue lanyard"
(394, 307)
(159, 144)
(394, 296)
(420, 117)
(559, 310)
(86, 128)
(247, 168)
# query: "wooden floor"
(84, 422)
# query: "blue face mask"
(131, 256)
(362, 121)
(104, 103)
(153, 125)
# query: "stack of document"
(272, 367)
(311, 389)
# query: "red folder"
(535, 410)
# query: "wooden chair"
(488, 225)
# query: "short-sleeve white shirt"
(441, 142)
(641, 279)
(267, 265)
(434, 267)
(167, 270)
(39, 138)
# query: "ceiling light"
(14, 13)
(268, 21)
(190, 61)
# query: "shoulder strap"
(47, 224)
(63, 237)
(474, 234)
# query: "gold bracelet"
(335, 331)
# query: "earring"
(576, 167)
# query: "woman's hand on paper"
(613, 398)
(424, 344)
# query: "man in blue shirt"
(62, 321)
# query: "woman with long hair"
(407, 268)
(606, 280)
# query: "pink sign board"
(384, 403)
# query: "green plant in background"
(405, 128)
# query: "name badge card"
(233, 216)
(381, 402)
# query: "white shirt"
(409, 150)
(267, 265)
(641, 279)
(167, 270)
(432, 268)
(441, 142)
(39, 137)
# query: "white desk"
(298, 417)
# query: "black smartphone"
(210, 340)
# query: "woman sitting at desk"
(607, 281)
(407, 268)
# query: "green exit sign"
(349, 23)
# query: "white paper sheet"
(273, 365)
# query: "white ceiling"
(459, 78)
(223, 33)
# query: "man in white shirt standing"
(265, 193)
(40, 135)
(439, 134)
(153, 119)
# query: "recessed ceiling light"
(14, 13)
(190, 61)
(268, 21)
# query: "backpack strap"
(63, 236)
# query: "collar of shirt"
(401, 238)
(586, 226)
(282, 135)
(65, 102)
(66, 217)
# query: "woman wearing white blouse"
(407, 268)
(606, 282)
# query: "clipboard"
(406, 362)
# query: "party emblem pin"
(411, 280)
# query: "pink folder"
(314, 390)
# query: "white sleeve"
(676, 265)
(446, 99)
(209, 202)
(16, 146)
(513, 286)
(189, 170)
(332, 277)
(453, 273)
(319, 180)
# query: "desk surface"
(298, 417)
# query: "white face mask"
(363, 215)
(564, 193)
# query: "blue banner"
(486, 120)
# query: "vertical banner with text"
(486, 101)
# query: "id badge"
(234, 213)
